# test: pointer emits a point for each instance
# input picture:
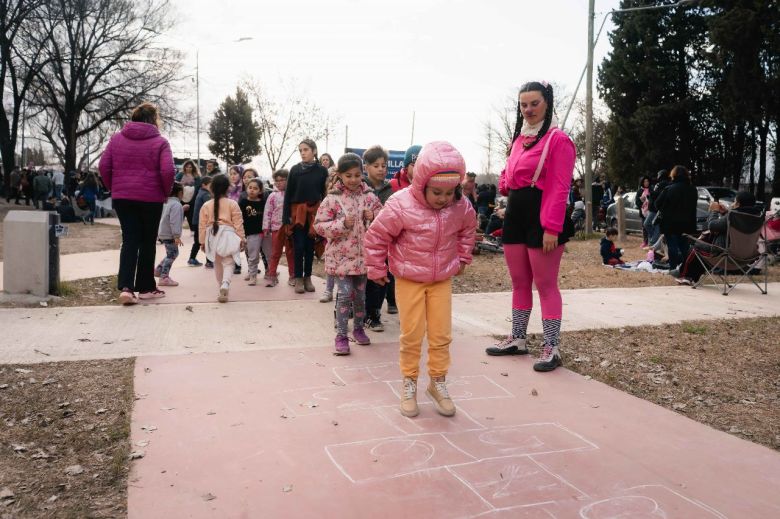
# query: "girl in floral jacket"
(342, 218)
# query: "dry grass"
(58, 415)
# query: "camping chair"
(738, 257)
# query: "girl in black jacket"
(677, 205)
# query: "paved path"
(283, 433)
(279, 318)
(265, 422)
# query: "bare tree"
(89, 148)
(103, 59)
(500, 126)
(285, 121)
(20, 62)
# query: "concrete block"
(26, 253)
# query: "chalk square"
(385, 372)
(514, 482)
(434, 493)
(384, 458)
(518, 440)
(648, 501)
(328, 399)
(428, 421)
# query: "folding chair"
(739, 256)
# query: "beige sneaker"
(252, 280)
(437, 391)
(299, 286)
(409, 398)
(223, 293)
(307, 284)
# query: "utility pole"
(413, 117)
(346, 137)
(197, 102)
(589, 125)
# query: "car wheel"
(613, 223)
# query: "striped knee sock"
(552, 331)
(520, 322)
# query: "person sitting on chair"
(717, 224)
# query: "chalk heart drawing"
(408, 449)
(624, 507)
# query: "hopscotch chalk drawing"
(500, 467)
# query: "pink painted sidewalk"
(289, 433)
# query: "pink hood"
(423, 244)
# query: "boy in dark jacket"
(610, 254)
(203, 196)
(375, 161)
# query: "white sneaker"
(223, 292)
(508, 346)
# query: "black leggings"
(139, 222)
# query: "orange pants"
(424, 307)
(280, 241)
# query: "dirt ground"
(720, 373)
(65, 439)
(80, 238)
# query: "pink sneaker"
(342, 345)
(167, 281)
(360, 337)
(154, 294)
(127, 298)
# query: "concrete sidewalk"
(287, 320)
(283, 433)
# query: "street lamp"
(589, 95)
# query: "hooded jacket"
(344, 251)
(424, 244)
(400, 180)
(138, 164)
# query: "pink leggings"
(528, 266)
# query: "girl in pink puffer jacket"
(342, 218)
(427, 230)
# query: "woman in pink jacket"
(428, 231)
(137, 167)
(536, 178)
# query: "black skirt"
(522, 225)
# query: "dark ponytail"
(219, 189)
(546, 90)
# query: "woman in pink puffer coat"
(427, 230)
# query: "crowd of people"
(399, 241)
(72, 194)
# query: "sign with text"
(394, 164)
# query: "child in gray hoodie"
(169, 234)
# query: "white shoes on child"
(224, 290)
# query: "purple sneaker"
(342, 345)
(360, 337)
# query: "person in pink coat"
(342, 218)
(537, 177)
(137, 167)
(427, 230)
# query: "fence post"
(621, 218)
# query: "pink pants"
(527, 266)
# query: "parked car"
(709, 194)
(634, 220)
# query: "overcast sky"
(372, 64)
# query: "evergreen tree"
(646, 84)
(235, 136)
